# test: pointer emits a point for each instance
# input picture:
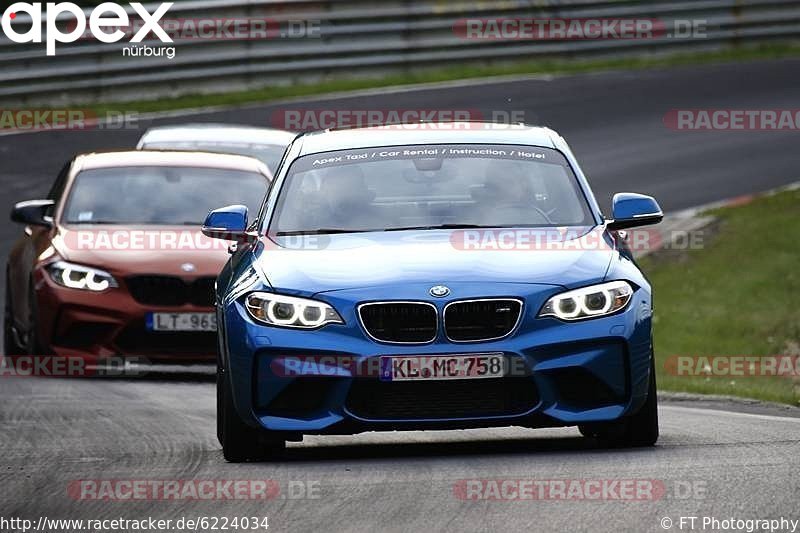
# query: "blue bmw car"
(456, 275)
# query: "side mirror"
(229, 223)
(32, 213)
(631, 210)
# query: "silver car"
(266, 144)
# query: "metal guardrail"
(359, 38)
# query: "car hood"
(323, 263)
(168, 250)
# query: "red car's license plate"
(182, 321)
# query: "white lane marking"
(704, 410)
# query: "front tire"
(639, 430)
(240, 442)
(10, 344)
(34, 344)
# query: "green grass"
(740, 295)
(555, 66)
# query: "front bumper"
(325, 381)
(93, 326)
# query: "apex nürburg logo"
(104, 23)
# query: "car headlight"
(80, 277)
(589, 302)
(289, 311)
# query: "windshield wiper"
(403, 228)
(322, 231)
(439, 226)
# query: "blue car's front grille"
(479, 320)
(399, 322)
(473, 398)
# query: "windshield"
(269, 154)
(412, 187)
(159, 195)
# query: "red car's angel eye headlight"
(80, 277)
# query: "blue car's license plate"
(441, 367)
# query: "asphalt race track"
(57, 432)
(713, 459)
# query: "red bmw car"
(112, 262)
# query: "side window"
(58, 188)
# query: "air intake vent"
(408, 400)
